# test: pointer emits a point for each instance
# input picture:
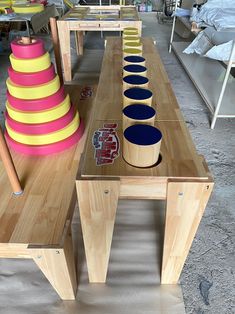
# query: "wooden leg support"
(186, 202)
(64, 37)
(58, 266)
(97, 204)
(79, 42)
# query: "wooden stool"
(134, 69)
(137, 96)
(131, 52)
(126, 39)
(134, 45)
(130, 81)
(137, 114)
(141, 145)
(134, 60)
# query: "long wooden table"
(181, 178)
(79, 19)
(37, 225)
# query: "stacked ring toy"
(40, 119)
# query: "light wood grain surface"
(39, 216)
(110, 83)
(181, 178)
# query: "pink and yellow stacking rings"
(30, 79)
(41, 116)
(37, 104)
(41, 128)
(33, 92)
(30, 65)
(32, 50)
(47, 149)
(45, 138)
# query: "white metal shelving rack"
(206, 74)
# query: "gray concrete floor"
(208, 276)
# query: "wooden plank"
(186, 202)
(40, 214)
(97, 205)
(9, 250)
(143, 188)
(64, 38)
(59, 268)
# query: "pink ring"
(46, 149)
(28, 51)
(37, 104)
(41, 128)
(31, 79)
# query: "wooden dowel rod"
(9, 166)
(56, 46)
(26, 40)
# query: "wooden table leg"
(56, 46)
(79, 42)
(186, 202)
(58, 266)
(97, 202)
(64, 37)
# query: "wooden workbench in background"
(181, 178)
(83, 21)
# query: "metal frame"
(230, 64)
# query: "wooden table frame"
(37, 224)
(182, 178)
(80, 26)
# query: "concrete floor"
(207, 279)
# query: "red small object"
(8, 10)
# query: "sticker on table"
(106, 144)
(86, 92)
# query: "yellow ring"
(39, 116)
(131, 38)
(30, 65)
(45, 138)
(33, 92)
(131, 51)
(130, 32)
(130, 29)
(28, 8)
(135, 45)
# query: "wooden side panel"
(144, 188)
(97, 204)
(64, 37)
(185, 206)
(59, 268)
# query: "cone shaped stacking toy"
(40, 119)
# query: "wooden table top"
(179, 156)
(99, 13)
(40, 215)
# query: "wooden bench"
(37, 225)
(181, 178)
